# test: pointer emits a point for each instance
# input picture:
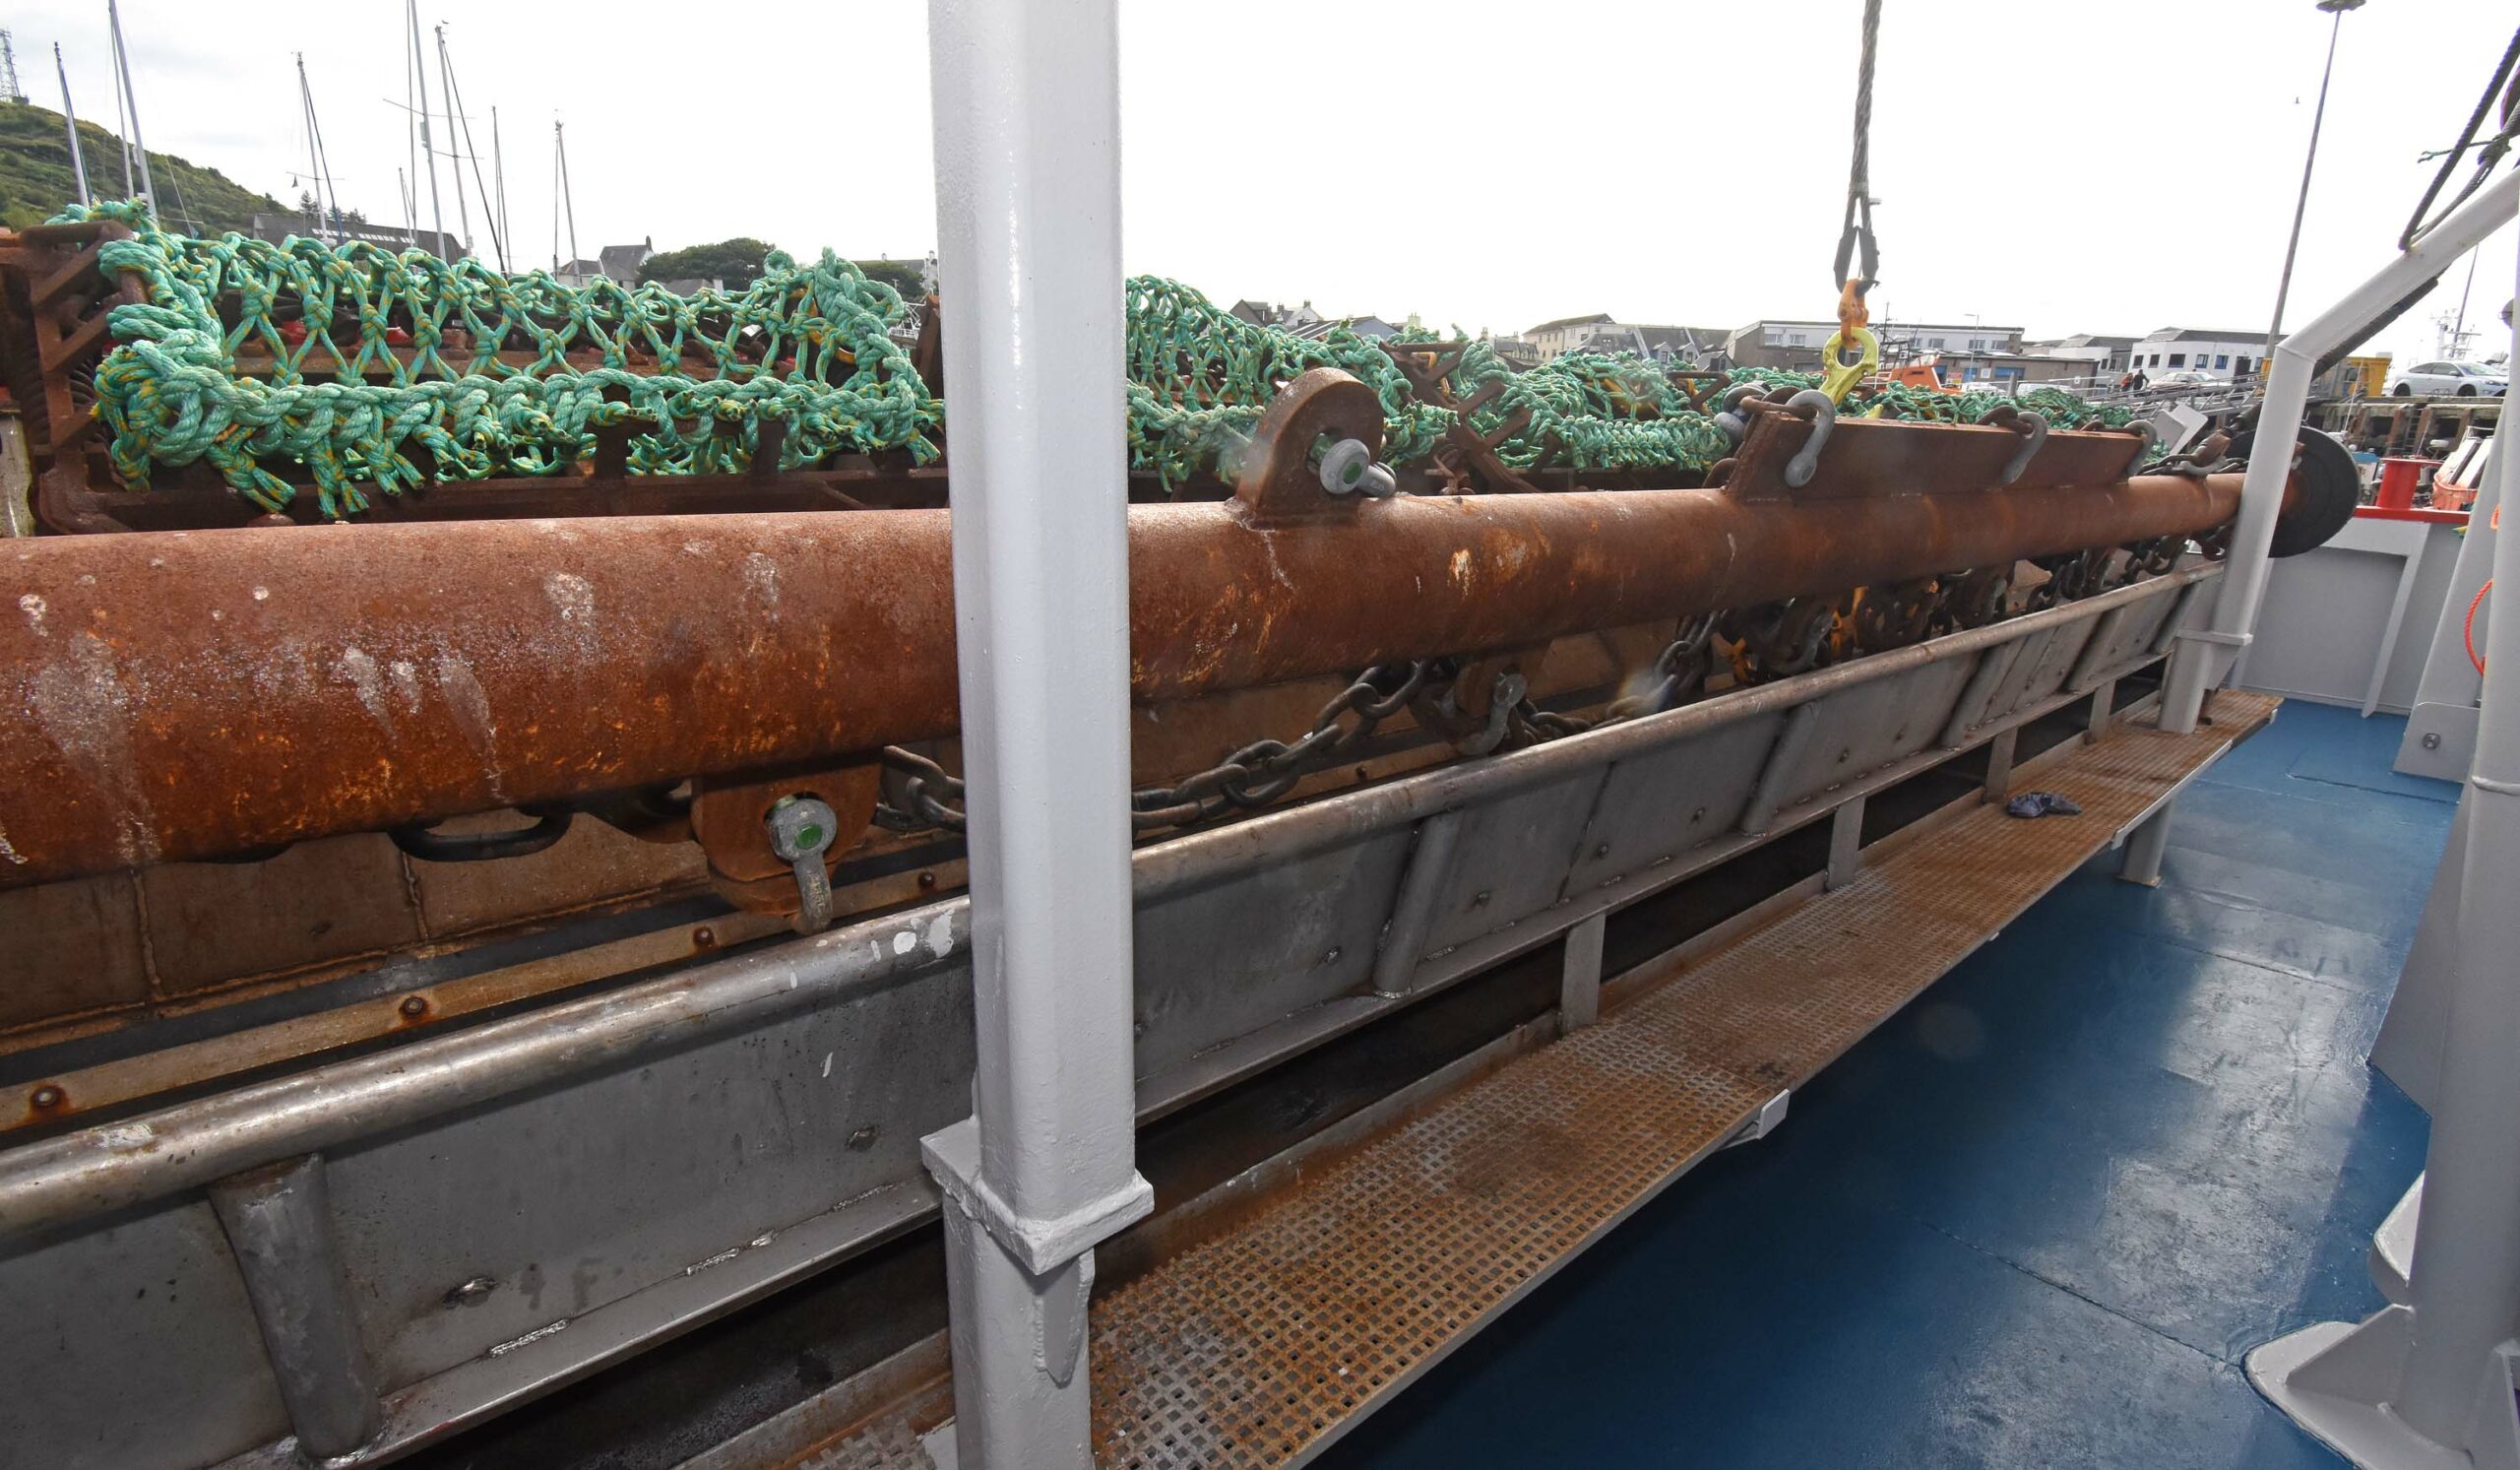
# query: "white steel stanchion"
(2432, 1384)
(1028, 177)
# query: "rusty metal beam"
(184, 695)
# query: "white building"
(1602, 333)
(1553, 339)
(2224, 354)
(1794, 345)
(2103, 356)
(618, 264)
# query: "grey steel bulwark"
(515, 1205)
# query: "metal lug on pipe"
(801, 830)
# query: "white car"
(2450, 380)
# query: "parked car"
(2450, 380)
(2183, 377)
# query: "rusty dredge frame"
(593, 642)
(704, 659)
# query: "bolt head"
(800, 827)
(466, 1293)
(414, 1006)
(49, 1096)
(2432, 740)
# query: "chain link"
(1773, 641)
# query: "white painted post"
(2466, 1281)
(2432, 1382)
(1026, 99)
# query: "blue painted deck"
(2038, 1218)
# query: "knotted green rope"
(473, 377)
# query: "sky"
(2110, 166)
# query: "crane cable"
(1859, 253)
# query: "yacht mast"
(70, 116)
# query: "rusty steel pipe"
(186, 695)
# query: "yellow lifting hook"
(1839, 376)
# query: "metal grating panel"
(1254, 1347)
(894, 1438)
(1251, 1348)
(885, 1444)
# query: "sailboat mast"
(314, 170)
(401, 177)
(130, 104)
(330, 197)
(70, 116)
(461, 124)
(499, 167)
(122, 127)
(429, 154)
(446, 94)
(560, 171)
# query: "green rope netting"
(475, 375)
(485, 386)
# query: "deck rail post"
(1026, 101)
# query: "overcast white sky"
(2110, 166)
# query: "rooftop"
(2201, 334)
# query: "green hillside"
(36, 181)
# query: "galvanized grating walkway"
(1255, 1347)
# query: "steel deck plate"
(1257, 1346)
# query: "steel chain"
(1782, 639)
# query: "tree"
(900, 275)
(737, 262)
